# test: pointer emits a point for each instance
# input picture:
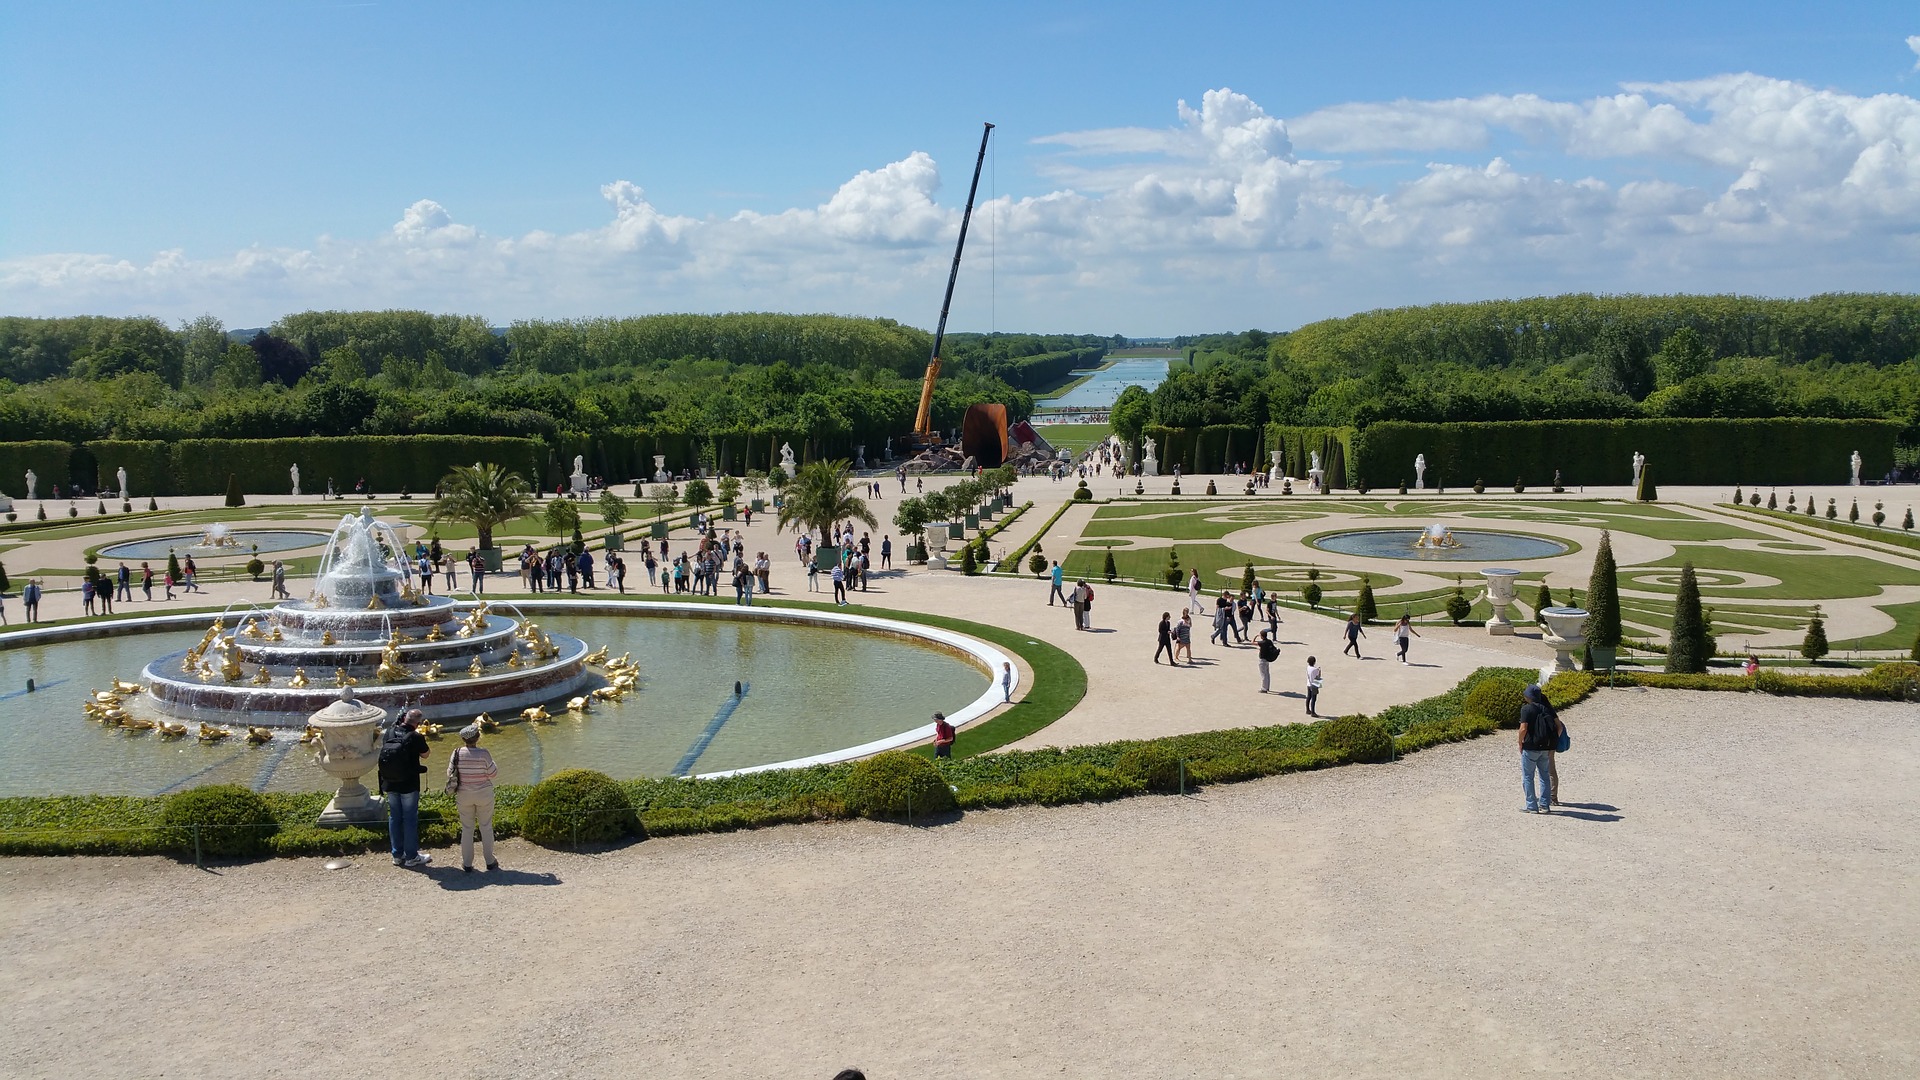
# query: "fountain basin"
(1473, 545)
(245, 542)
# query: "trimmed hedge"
(149, 465)
(230, 819)
(897, 784)
(1782, 450)
(1335, 446)
(1357, 738)
(49, 460)
(1498, 700)
(1205, 449)
(578, 804)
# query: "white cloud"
(1231, 216)
(1913, 42)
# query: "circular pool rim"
(107, 551)
(973, 650)
(1567, 546)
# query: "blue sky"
(556, 160)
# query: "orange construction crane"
(924, 437)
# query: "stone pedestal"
(1499, 594)
(1151, 466)
(1278, 472)
(1565, 635)
(349, 741)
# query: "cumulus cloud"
(1230, 215)
(1913, 43)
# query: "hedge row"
(1783, 450)
(1299, 444)
(130, 825)
(48, 460)
(1047, 369)
(1204, 449)
(387, 462)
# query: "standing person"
(86, 595)
(446, 562)
(280, 581)
(886, 552)
(586, 567)
(470, 773)
(1269, 652)
(1006, 682)
(123, 580)
(617, 570)
(146, 580)
(192, 573)
(403, 755)
(1539, 732)
(1273, 616)
(1085, 592)
(30, 600)
(1164, 634)
(1079, 613)
(653, 567)
(943, 735)
(839, 585)
(1193, 592)
(1314, 678)
(1220, 618)
(813, 577)
(1354, 633)
(103, 592)
(477, 570)
(763, 569)
(1183, 638)
(1057, 575)
(1403, 635)
(1243, 610)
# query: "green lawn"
(1801, 577)
(1906, 619)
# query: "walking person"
(1165, 635)
(1540, 729)
(839, 585)
(123, 580)
(470, 774)
(1269, 652)
(167, 583)
(1314, 678)
(1403, 635)
(1354, 633)
(403, 755)
(1183, 638)
(146, 581)
(191, 572)
(1057, 575)
(1193, 592)
(1220, 618)
(280, 581)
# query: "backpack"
(397, 766)
(1543, 728)
(1269, 651)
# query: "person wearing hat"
(942, 736)
(470, 773)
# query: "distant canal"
(1103, 389)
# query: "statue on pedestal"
(1639, 463)
(1152, 464)
(1856, 468)
(786, 460)
(579, 477)
(120, 474)
(32, 480)
(293, 473)
(1420, 472)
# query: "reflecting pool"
(1474, 545)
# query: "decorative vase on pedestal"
(1564, 635)
(349, 741)
(1499, 594)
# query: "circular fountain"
(365, 626)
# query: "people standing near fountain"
(403, 756)
(1403, 635)
(1354, 633)
(477, 572)
(30, 600)
(839, 584)
(86, 595)
(123, 584)
(470, 773)
(585, 561)
(146, 581)
(280, 581)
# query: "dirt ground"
(1732, 893)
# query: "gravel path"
(1734, 895)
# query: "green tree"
(755, 482)
(561, 517)
(698, 493)
(1542, 600)
(1108, 570)
(1688, 650)
(1814, 645)
(234, 498)
(613, 508)
(484, 496)
(820, 496)
(1171, 573)
(1681, 357)
(1458, 606)
(1247, 578)
(1602, 626)
(1365, 605)
(1130, 414)
(968, 564)
(203, 345)
(912, 517)
(729, 488)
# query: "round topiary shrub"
(896, 783)
(578, 804)
(1082, 493)
(1499, 700)
(1153, 765)
(1358, 738)
(255, 568)
(233, 820)
(1037, 563)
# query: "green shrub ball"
(233, 820)
(890, 785)
(592, 802)
(1357, 738)
(1155, 767)
(1037, 564)
(1499, 700)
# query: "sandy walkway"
(1721, 906)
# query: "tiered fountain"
(365, 626)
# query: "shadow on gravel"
(454, 879)
(1576, 810)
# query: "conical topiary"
(1773, 502)
(1907, 522)
(173, 566)
(968, 564)
(1542, 600)
(1602, 627)
(1365, 606)
(234, 498)
(1739, 496)
(1833, 511)
(1171, 572)
(1247, 579)
(1645, 491)
(1853, 512)
(1814, 645)
(1109, 570)
(1688, 651)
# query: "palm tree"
(482, 495)
(820, 496)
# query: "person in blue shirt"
(1056, 585)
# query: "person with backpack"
(943, 736)
(403, 755)
(1268, 653)
(1540, 731)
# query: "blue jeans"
(1535, 763)
(403, 823)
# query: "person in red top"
(942, 736)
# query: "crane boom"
(923, 420)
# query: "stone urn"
(349, 749)
(660, 469)
(1499, 594)
(1277, 473)
(1565, 635)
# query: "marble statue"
(1420, 472)
(786, 460)
(32, 481)
(1316, 476)
(293, 473)
(120, 474)
(1315, 467)
(1856, 468)
(579, 477)
(1151, 466)
(1639, 463)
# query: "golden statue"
(229, 667)
(391, 670)
(373, 603)
(477, 668)
(513, 659)
(326, 637)
(275, 636)
(434, 634)
(299, 679)
(252, 628)
(433, 672)
(263, 677)
(341, 678)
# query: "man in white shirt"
(1313, 685)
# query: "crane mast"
(923, 435)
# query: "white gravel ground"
(1734, 895)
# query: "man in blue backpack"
(1539, 733)
(403, 755)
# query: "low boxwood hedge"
(578, 804)
(219, 819)
(69, 825)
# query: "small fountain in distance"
(366, 624)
